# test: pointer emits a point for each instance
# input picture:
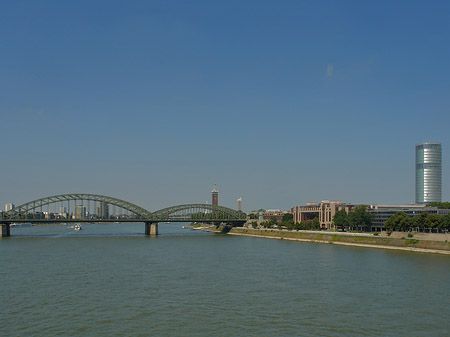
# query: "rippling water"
(109, 279)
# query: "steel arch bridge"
(73, 209)
(65, 199)
(198, 213)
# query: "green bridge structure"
(94, 208)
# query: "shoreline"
(323, 237)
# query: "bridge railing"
(79, 206)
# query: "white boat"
(21, 225)
(77, 227)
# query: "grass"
(411, 241)
(332, 238)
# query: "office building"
(428, 173)
(274, 214)
(80, 212)
(381, 213)
(239, 204)
(103, 210)
(9, 206)
(324, 211)
(215, 196)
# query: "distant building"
(9, 206)
(80, 212)
(273, 214)
(215, 196)
(428, 173)
(383, 212)
(103, 210)
(324, 211)
(239, 204)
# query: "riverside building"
(324, 211)
(383, 212)
(274, 214)
(428, 173)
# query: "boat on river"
(77, 228)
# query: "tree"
(445, 222)
(435, 220)
(439, 204)
(393, 223)
(340, 219)
(287, 217)
(315, 224)
(359, 218)
(405, 223)
(421, 221)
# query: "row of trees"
(357, 219)
(361, 220)
(288, 222)
(402, 222)
(439, 204)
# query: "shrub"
(411, 241)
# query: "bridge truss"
(99, 208)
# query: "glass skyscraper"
(428, 173)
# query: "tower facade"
(239, 204)
(215, 196)
(103, 210)
(428, 173)
(9, 206)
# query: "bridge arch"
(24, 209)
(198, 212)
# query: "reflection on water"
(111, 279)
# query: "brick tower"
(215, 196)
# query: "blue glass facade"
(428, 172)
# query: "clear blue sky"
(277, 102)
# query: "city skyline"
(277, 104)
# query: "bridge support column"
(151, 228)
(6, 230)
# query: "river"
(109, 279)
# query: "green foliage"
(402, 222)
(253, 216)
(267, 224)
(315, 224)
(439, 204)
(399, 221)
(340, 219)
(360, 219)
(287, 217)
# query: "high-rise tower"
(239, 204)
(9, 206)
(215, 196)
(428, 173)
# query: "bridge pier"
(6, 230)
(151, 228)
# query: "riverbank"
(356, 239)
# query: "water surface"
(109, 279)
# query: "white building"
(239, 204)
(9, 206)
